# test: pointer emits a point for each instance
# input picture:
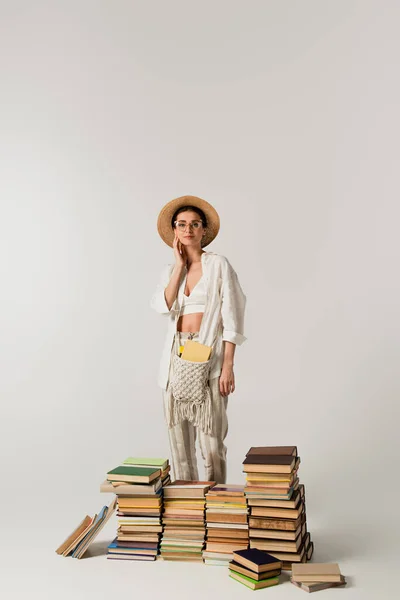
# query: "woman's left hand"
(226, 380)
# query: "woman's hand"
(179, 251)
(226, 380)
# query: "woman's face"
(189, 228)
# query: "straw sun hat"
(167, 212)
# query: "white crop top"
(195, 303)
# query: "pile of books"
(277, 520)
(255, 569)
(80, 539)
(317, 576)
(226, 523)
(183, 520)
(138, 484)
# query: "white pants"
(182, 437)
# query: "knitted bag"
(190, 397)
(191, 392)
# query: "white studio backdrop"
(284, 116)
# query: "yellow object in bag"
(195, 351)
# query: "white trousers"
(183, 436)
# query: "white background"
(283, 115)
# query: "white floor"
(34, 570)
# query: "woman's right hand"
(179, 252)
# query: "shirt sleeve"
(233, 305)
(158, 302)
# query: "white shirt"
(223, 317)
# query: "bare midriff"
(190, 322)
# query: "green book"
(160, 463)
(253, 583)
(133, 474)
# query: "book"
(288, 557)
(256, 463)
(79, 541)
(273, 450)
(277, 513)
(235, 566)
(316, 572)
(275, 534)
(271, 545)
(276, 503)
(316, 587)
(159, 463)
(256, 560)
(133, 474)
(196, 352)
(253, 584)
(220, 490)
(282, 524)
(130, 489)
(74, 538)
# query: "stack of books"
(255, 569)
(138, 485)
(80, 539)
(226, 523)
(317, 576)
(183, 520)
(159, 463)
(277, 520)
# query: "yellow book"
(196, 352)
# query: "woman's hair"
(189, 207)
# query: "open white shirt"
(223, 317)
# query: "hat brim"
(167, 212)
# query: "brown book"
(234, 566)
(184, 522)
(226, 490)
(317, 587)
(291, 557)
(139, 502)
(273, 450)
(292, 503)
(225, 547)
(277, 513)
(237, 534)
(78, 533)
(187, 489)
(270, 490)
(276, 534)
(141, 528)
(282, 524)
(226, 500)
(228, 540)
(271, 545)
(316, 572)
(182, 556)
(136, 538)
(213, 517)
(257, 463)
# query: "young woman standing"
(201, 295)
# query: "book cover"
(160, 463)
(134, 474)
(253, 583)
(264, 459)
(273, 450)
(256, 560)
(316, 572)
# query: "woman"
(201, 295)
